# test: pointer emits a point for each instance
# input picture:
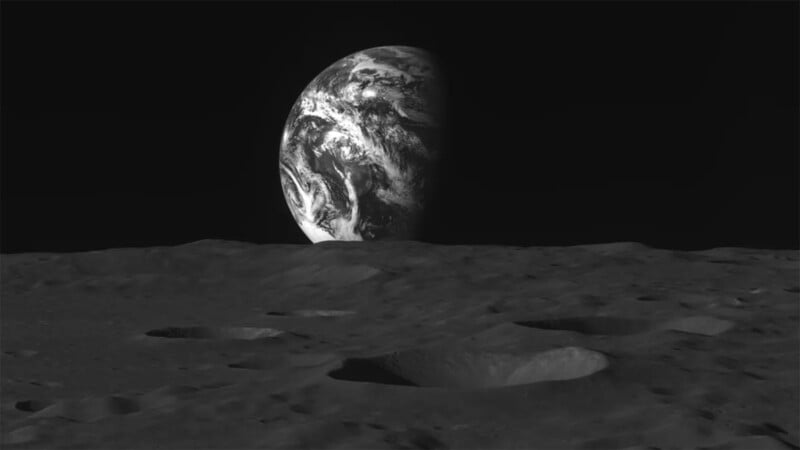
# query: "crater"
(727, 261)
(607, 326)
(31, 405)
(91, 409)
(702, 325)
(368, 371)
(21, 353)
(308, 313)
(253, 364)
(462, 369)
(240, 333)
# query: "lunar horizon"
(220, 344)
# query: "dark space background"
(140, 124)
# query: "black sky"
(671, 124)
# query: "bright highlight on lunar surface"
(359, 145)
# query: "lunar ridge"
(400, 345)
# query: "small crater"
(31, 405)
(424, 440)
(22, 435)
(311, 313)
(311, 359)
(414, 438)
(468, 370)
(613, 443)
(350, 425)
(21, 353)
(773, 428)
(270, 420)
(283, 398)
(793, 289)
(238, 333)
(252, 364)
(727, 261)
(661, 390)
(48, 384)
(300, 409)
(766, 429)
(702, 325)
(740, 301)
(648, 298)
(119, 405)
(727, 362)
(493, 309)
(753, 375)
(592, 301)
(706, 414)
(91, 409)
(754, 442)
(607, 326)
(215, 385)
(715, 398)
(157, 396)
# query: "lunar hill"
(400, 345)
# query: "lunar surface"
(400, 345)
(360, 144)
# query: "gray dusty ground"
(400, 346)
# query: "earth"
(360, 144)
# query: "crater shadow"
(311, 313)
(605, 326)
(31, 405)
(241, 333)
(367, 371)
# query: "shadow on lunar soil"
(605, 326)
(31, 405)
(240, 333)
(368, 371)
